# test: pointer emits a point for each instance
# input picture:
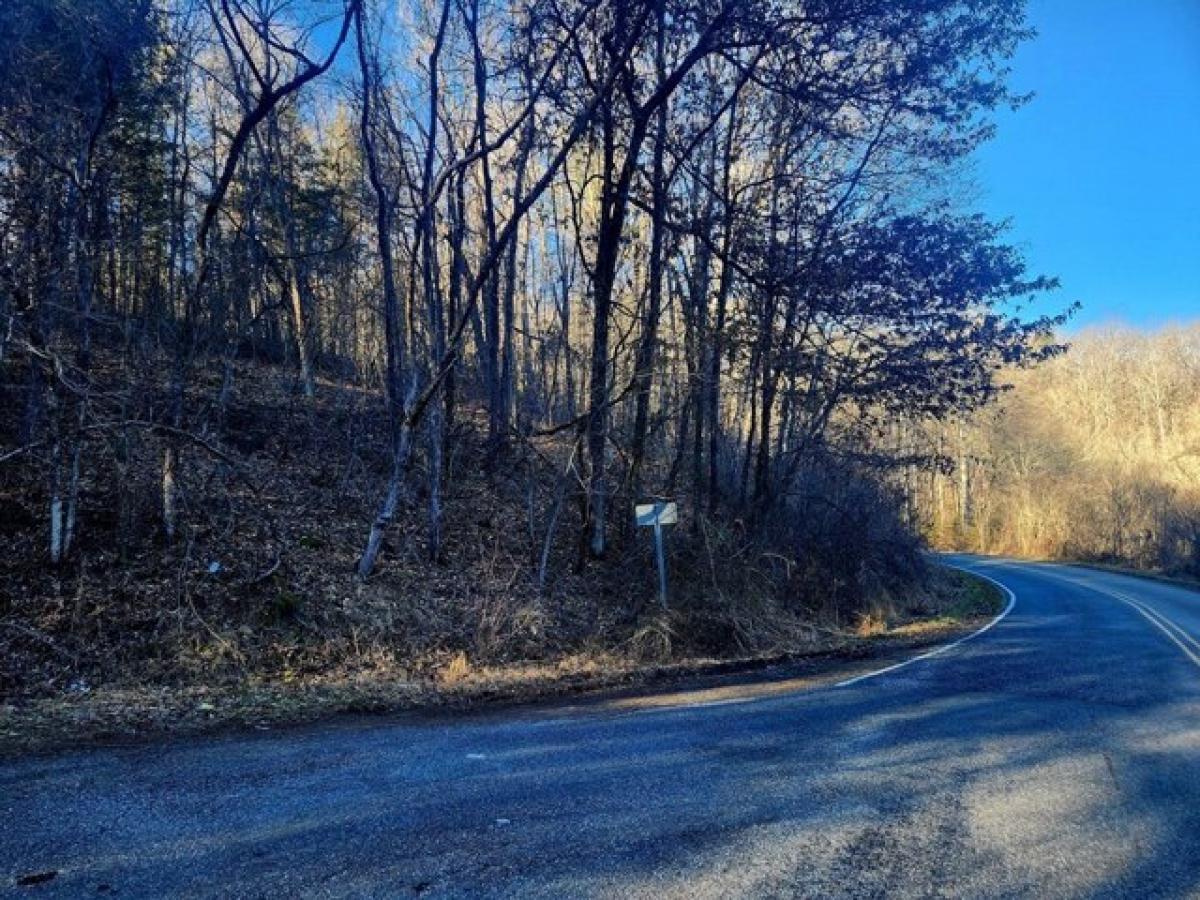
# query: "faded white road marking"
(938, 651)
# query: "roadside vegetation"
(338, 340)
(119, 712)
(1093, 457)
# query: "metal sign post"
(658, 515)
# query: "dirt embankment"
(254, 616)
(118, 714)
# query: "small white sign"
(656, 514)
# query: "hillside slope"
(258, 602)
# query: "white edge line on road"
(1174, 626)
(1156, 618)
(1161, 622)
(737, 701)
(937, 651)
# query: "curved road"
(1056, 755)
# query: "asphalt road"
(1056, 755)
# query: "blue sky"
(1100, 173)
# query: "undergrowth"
(261, 589)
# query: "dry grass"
(132, 635)
(109, 714)
(871, 624)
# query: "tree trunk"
(393, 319)
(644, 362)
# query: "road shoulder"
(137, 715)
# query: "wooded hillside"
(1094, 456)
(362, 327)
